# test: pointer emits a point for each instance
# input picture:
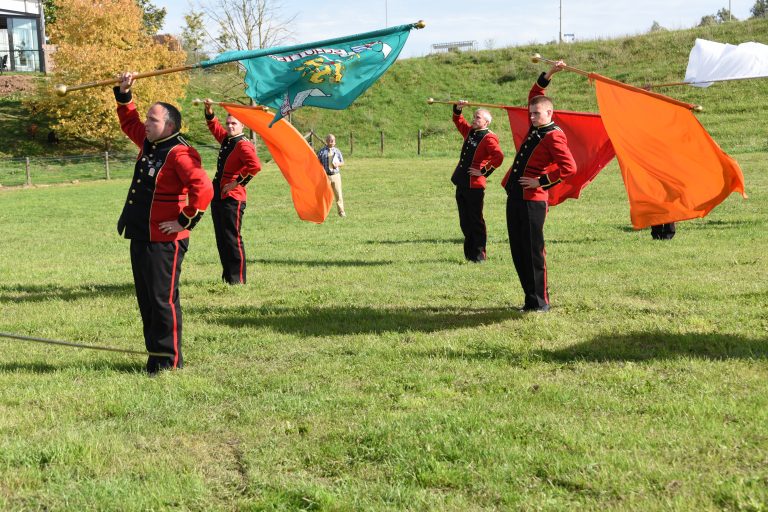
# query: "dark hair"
(541, 99)
(172, 114)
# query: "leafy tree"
(49, 11)
(193, 36)
(656, 27)
(97, 40)
(152, 17)
(724, 15)
(760, 9)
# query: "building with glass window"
(22, 35)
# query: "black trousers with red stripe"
(470, 203)
(525, 225)
(227, 215)
(156, 271)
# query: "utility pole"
(42, 39)
(561, 22)
(386, 21)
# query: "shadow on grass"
(324, 263)
(720, 224)
(698, 224)
(40, 293)
(638, 346)
(323, 321)
(417, 241)
(53, 367)
(641, 346)
(577, 241)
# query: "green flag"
(325, 74)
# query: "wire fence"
(44, 170)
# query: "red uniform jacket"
(543, 155)
(168, 182)
(237, 161)
(481, 150)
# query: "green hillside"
(396, 104)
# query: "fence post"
(106, 163)
(351, 144)
(381, 136)
(29, 176)
(418, 143)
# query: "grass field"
(366, 367)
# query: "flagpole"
(62, 90)
(430, 101)
(671, 84)
(252, 54)
(81, 345)
(198, 101)
(594, 76)
(535, 58)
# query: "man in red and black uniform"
(480, 155)
(541, 163)
(168, 195)
(236, 166)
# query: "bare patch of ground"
(10, 84)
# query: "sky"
(496, 24)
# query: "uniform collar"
(545, 128)
(171, 140)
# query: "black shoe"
(534, 309)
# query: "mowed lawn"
(365, 366)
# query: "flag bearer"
(480, 156)
(167, 197)
(541, 163)
(236, 166)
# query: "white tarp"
(713, 62)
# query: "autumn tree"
(153, 18)
(96, 40)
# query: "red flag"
(310, 190)
(587, 140)
(672, 168)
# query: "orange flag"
(310, 190)
(672, 168)
(587, 141)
